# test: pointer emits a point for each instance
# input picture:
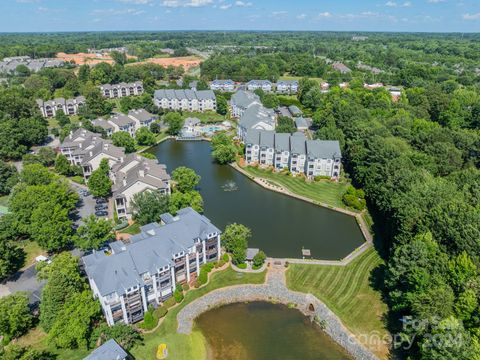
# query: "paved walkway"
(275, 289)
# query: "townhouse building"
(135, 174)
(9, 64)
(241, 101)
(113, 91)
(293, 152)
(187, 100)
(130, 123)
(110, 350)
(265, 85)
(49, 108)
(145, 271)
(287, 86)
(222, 85)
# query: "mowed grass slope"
(347, 291)
(324, 191)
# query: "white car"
(42, 258)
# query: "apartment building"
(129, 123)
(241, 101)
(293, 152)
(135, 174)
(265, 85)
(49, 108)
(9, 64)
(256, 117)
(222, 85)
(113, 91)
(287, 86)
(145, 271)
(110, 350)
(187, 100)
(342, 68)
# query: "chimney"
(141, 173)
(122, 159)
(124, 182)
(91, 153)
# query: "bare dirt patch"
(187, 61)
(87, 59)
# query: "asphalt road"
(24, 280)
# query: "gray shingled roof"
(244, 99)
(141, 115)
(184, 94)
(122, 120)
(267, 138)
(301, 122)
(324, 149)
(282, 142)
(255, 114)
(252, 137)
(110, 350)
(297, 143)
(147, 252)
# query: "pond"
(281, 225)
(261, 330)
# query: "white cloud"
(394, 4)
(471, 16)
(225, 6)
(240, 3)
(186, 3)
(436, 1)
(27, 1)
(391, 4)
(135, 2)
(301, 16)
(325, 14)
(116, 12)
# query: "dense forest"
(417, 158)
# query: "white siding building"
(265, 85)
(122, 89)
(49, 108)
(187, 100)
(222, 85)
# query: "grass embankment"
(191, 346)
(348, 292)
(132, 229)
(205, 117)
(324, 191)
(32, 250)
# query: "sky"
(321, 15)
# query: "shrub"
(149, 320)
(178, 295)
(259, 259)
(169, 302)
(321, 177)
(161, 311)
(185, 287)
(242, 266)
(197, 284)
(225, 258)
(354, 198)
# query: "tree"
(93, 233)
(145, 137)
(123, 139)
(179, 200)
(96, 105)
(354, 198)
(15, 316)
(224, 150)
(222, 105)
(155, 128)
(285, 125)
(61, 118)
(259, 259)
(15, 352)
(62, 165)
(8, 177)
(270, 101)
(63, 281)
(126, 336)
(99, 182)
(186, 179)
(175, 123)
(12, 257)
(36, 174)
(47, 156)
(120, 58)
(74, 323)
(147, 206)
(235, 240)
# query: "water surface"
(264, 331)
(281, 225)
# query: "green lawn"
(347, 291)
(290, 77)
(205, 117)
(32, 250)
(191, 346)
(132, 229)
(324, 191)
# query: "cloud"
(225, 6)
(240, 3)
(27, 1)
(135, 2)
(186, 3)
(116, 12)
(471, 16)
(435, 1)
(325, 14)
(301, 16)
(394, 4)
(279, 13)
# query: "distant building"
(145, 271)
(222, 85)
(342, 68)
(190, 128)
(293, 152)
(373, 70)
(287, 86)
(49, 108)
(122, 89)
(9, 64)
(373, 86)
(302, 124)
(395, 92)
(241, 101)
(187, 100)
(129, 123)
(265, 85)
(110, 350)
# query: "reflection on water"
(264, 331)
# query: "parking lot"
(86, 205)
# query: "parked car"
(42, 258)
(101, 207)
(101, 213)
(101, 201)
